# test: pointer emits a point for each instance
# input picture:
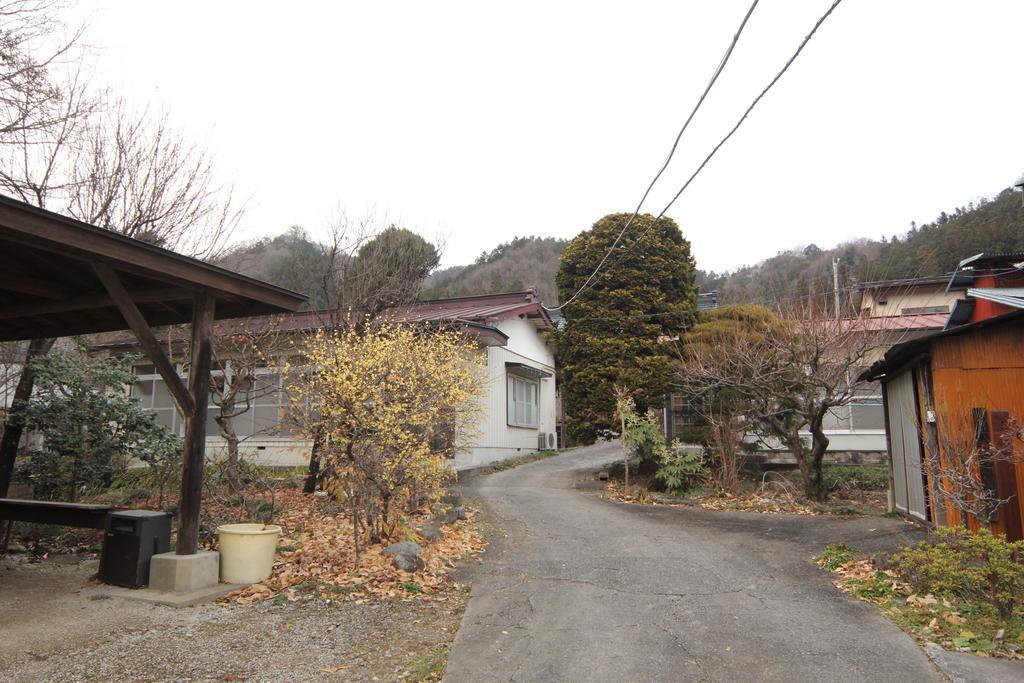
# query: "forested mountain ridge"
(295, 261)
(523, 263)
(935, 248)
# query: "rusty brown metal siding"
(981, 369)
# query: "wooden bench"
(78, 515)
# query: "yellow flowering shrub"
(391, 405)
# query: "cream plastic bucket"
(247, 551)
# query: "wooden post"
(195, 425)
(137, 322)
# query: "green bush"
(865, 478)
(975, 566)
(91, 428)
(679, 472)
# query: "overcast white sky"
(485, 120)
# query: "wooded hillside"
(293, 260)
(934, 248)
(523, 263)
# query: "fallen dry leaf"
(322, 550)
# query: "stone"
(173, 573)
(408, 563)
(460, 512)
(404, 548)
(446, 517)
(431, 533)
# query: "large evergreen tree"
(619, 330)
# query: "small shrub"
(975, 566)
(835, 556)
(864, 478)
(679, 471)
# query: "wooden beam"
(18, 281)
(195, 426)
(137, 322)
(40, 229)
(91, 301)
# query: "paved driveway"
(580, 589)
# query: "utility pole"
(835, 282)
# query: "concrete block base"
(173, 599)
(172, 573)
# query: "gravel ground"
(58, 626)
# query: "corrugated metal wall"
(981, 369)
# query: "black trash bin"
(132, 538)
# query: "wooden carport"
(61, 277)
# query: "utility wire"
(714, 151)
(672, 151)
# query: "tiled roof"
(899, 323)
(485, 308)
(477, 313)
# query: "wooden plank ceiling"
(49, 286)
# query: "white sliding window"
(523, 399)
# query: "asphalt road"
(579, 589)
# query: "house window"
(150, 390)
(523, 399)
(267, 403)
(917, 310)
(863, 412)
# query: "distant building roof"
(898, 356)
(903, 282)
(900, 323)
(707, 300)
(963, 276)
(1007, 296)
(486, 308)
(477, 314)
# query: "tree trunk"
(814, 483)
(313, 474)
(13, 427)
(625, 453)
(227, 432)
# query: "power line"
(717, 147)
(672, 151)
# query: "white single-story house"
(520, 404)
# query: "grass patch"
(835, 556)
(430, 665)
(517, 461)
(954, 622)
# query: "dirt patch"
(58, 626)
(772, 493)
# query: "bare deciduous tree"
(964, 464)
(791, 378)
(133, 173)
(368, 271)
(126, 172)
(33, 43)
(247, 369)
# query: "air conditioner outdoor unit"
(545, 441)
